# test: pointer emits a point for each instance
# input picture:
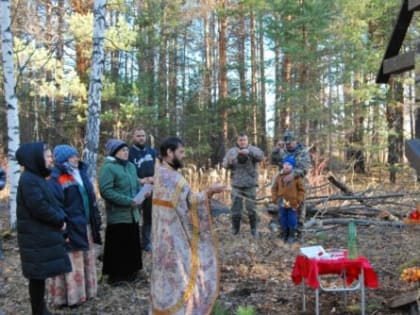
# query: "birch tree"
(11, 103)
(95, 88)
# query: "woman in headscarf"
(72, 187)
(40, 224)
(118, 185)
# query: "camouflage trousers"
(244, 198)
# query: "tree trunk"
(253, 77)
(287, 77)
(146, 56)
(183, 69)
(263, 123)
(278, 89)
(11, 105)
(303, 80)
(242, 69)
(162, 96)
(209, 84)
(115, 54)
(82, 7)
(174, 116)
(223, 85)
(208, 65)
(60, 108)
(394, 115)
(359, 131)
(90, 153)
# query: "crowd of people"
(59, 223)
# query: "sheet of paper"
(145, 191)
(314, 252)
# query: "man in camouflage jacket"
(242, 161)
(290, 147)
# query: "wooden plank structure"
(393, 63)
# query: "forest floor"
(255, 272)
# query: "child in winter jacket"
(289, 187)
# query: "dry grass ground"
(257, 272)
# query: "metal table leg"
(317, 301)
(362, 290)
(345, 286)
(303, 296)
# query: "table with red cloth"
(308, 271)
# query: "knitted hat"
(291, 160)
(63, 152)
(114, 145)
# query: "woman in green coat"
(118, 186)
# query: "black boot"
(253, 226)
(36, 293)
(146, 230)
(236, 225)
(1, 249)
(291, 238)
(284, 233)
(46, 311)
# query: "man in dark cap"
(289, 146)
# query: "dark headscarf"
(31, 157)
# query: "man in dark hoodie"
(143, 157)
(40, 224)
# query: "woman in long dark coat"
(118, 185)
(40, 222)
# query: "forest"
(80, 72)
(207, 70)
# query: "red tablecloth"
(309, 269)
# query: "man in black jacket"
(143, 157)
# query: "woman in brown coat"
(290, 188)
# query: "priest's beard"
(176, 163)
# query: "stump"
(406, 301)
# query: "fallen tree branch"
(322, 222)
(350, 210)
(356, 197)
(340, 185)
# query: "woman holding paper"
(118, 186)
